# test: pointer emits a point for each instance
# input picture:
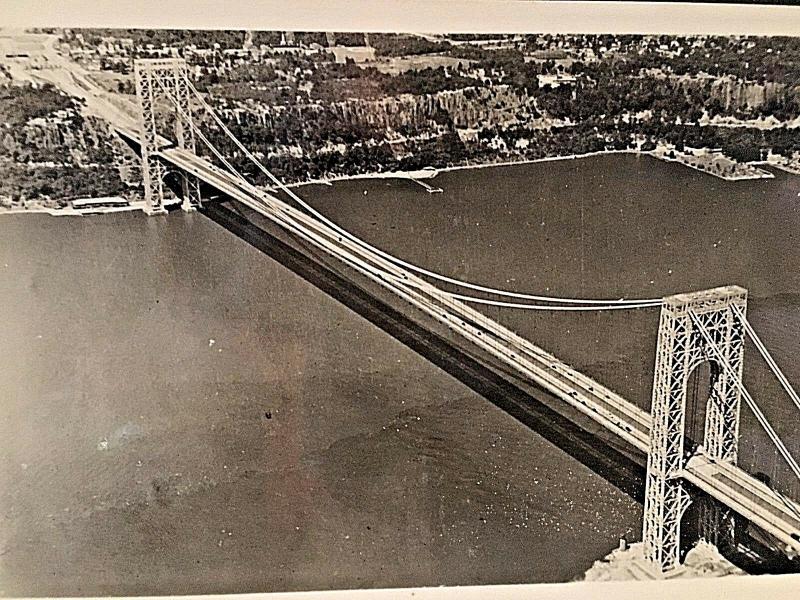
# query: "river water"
(181, 414)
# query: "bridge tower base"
(680, 349)
(164, 83)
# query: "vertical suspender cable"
(636, 303)
(762, 348)
(747, 397)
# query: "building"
(557, 80)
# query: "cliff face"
(738, 94)
(469, 107)
(58, 137)
(466, 108)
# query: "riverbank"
(712, 163)
(788, 167)
(663, 153)
(510, 163)
(68, 211)
(484, 165)
(660, 153)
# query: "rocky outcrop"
(627, 563)
(467, 107)
(745, 95)
(63, 135)
(734, 93)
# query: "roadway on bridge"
(731, 485)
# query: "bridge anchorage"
(163, 89)
(694, 328)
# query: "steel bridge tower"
(164, 83)
(682, 348)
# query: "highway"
(732, 486)
(588, 396)
(729, 484)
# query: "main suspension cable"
(762, 348)
(568, 307)
(630, 303)
(762, 419)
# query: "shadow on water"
(615, 466)
(741, 543)
(737, 540)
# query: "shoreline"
(71, 212)
(405, 174)
(526, 161)
(658, 154)
(755, 174)
(794, 170)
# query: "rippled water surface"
(179, 413)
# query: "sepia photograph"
(334, 307)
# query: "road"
(44, 64)
(749, 497)
(731, 485)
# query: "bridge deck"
(586, 395)
(730, 485)
(748, 496)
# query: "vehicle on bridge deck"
(598, 411)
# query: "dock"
(428, 188)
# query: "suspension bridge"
(709, 326)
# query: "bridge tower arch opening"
(681, 349)
(160, 84)
(700, 384)
(704, 518)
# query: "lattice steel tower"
(682, 348)
(164, 84)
